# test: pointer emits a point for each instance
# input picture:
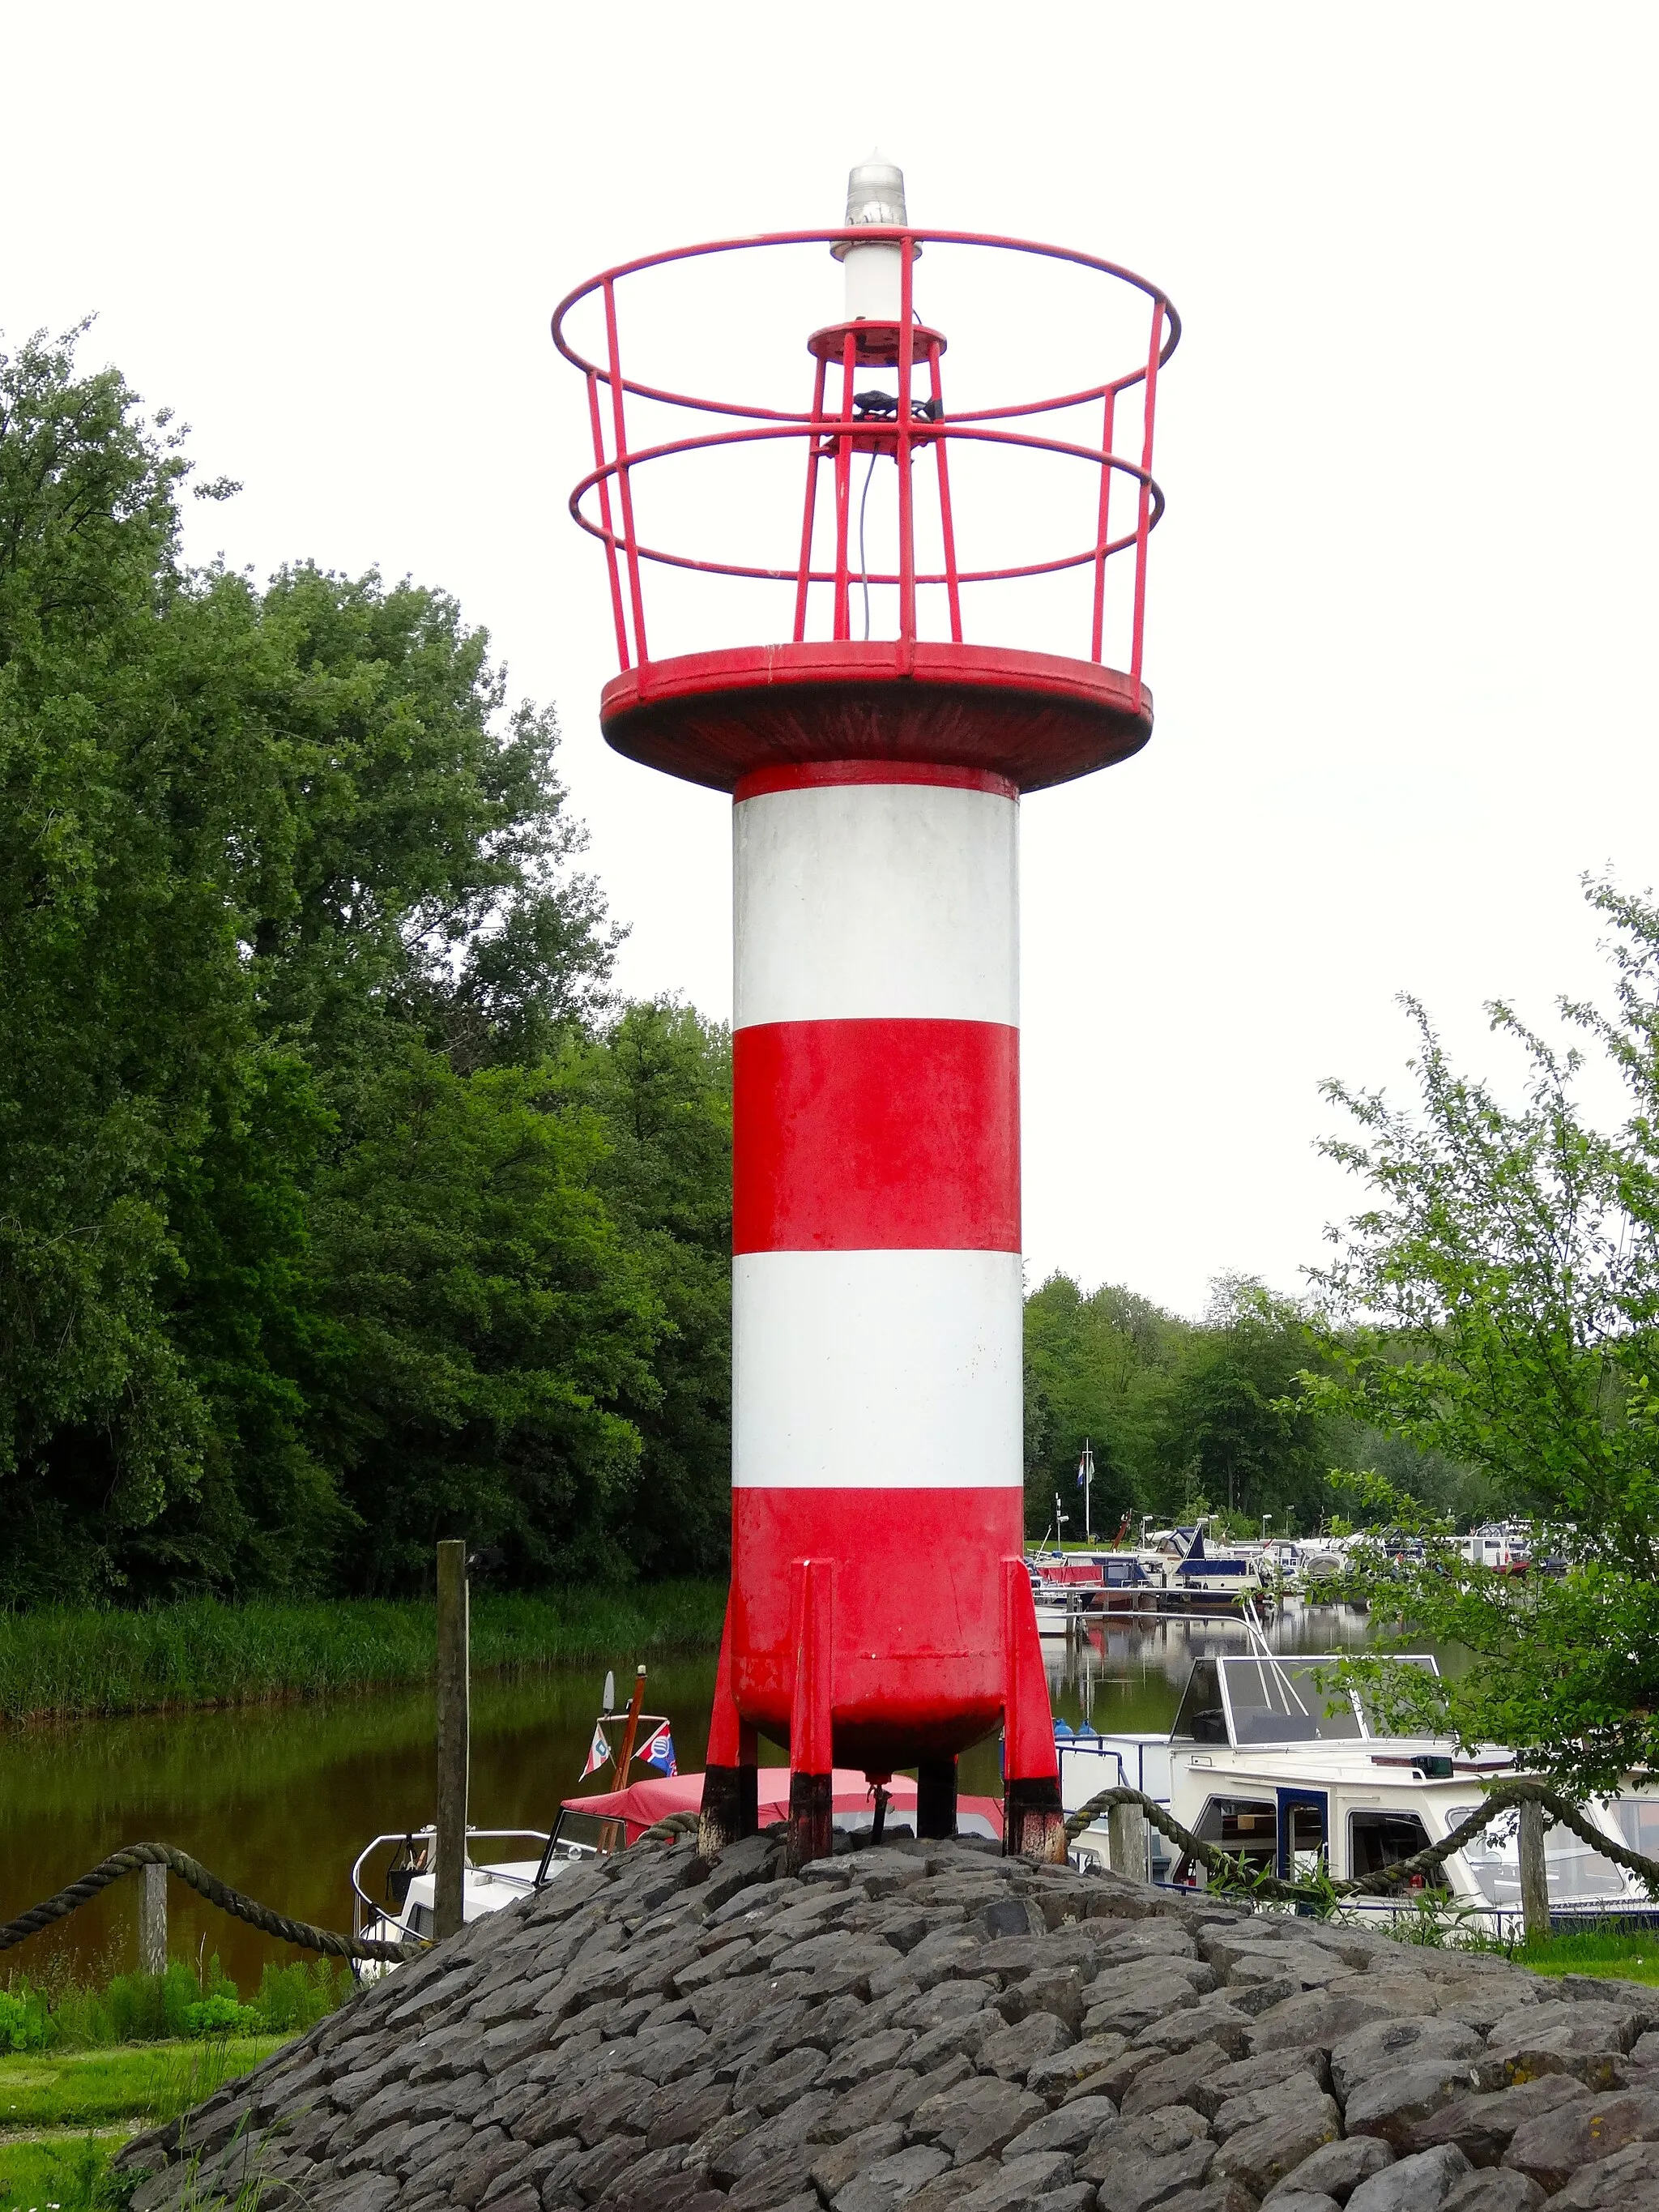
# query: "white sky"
(1399, 632)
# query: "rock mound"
(925, 2025)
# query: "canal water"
(278, 1800)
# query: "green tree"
(659, 1081)
(1096, 1368)
(309, 1243)
(1497, 1302)
(1235, 1421)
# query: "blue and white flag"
(657, 1751)
(599, 1752)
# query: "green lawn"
(57, 2103)
(136, 2082)
(65, 2174)
(1630, 1955)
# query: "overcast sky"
(1399, 629)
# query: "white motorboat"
(1274, 1761)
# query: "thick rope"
(1237, 1873)
(665, 1831)
(300, 1933)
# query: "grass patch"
(68, 2176)
(201, 2004)
(62, 1664)
(1628, 1954)
(143, 2082)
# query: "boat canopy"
(1257, 1700)
(642, 1804)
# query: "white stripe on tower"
(877, 1306)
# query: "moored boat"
(1273, 1761)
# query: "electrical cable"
(864, 565)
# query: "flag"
(657, 1751)
(597, 1752)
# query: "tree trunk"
(1535, 1879)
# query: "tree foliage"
(1182, 1416)
(1498, 1304)
(333, 1211)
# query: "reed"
(64, 1664)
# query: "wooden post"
(614, 1834)
(1126, 1836)
(153, 1921)
(1534, 1874)
(454, 1746)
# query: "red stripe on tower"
(876, 1135)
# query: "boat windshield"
(1282, 1701)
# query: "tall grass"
(188, 2001)
(64, 1664)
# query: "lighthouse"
(880, 1615)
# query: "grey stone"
(1626, 2182)
(1394, 2104)
(1499, 2189)
(890, 2181)
(1056, 1990)
(1582, 2130)
(1211, 2019)
(1020, 2183)
(1068, 2130)
(1292, 2199)
(1484, 2127)
(1058, 2077)
(1263, 2152)
(1074, 2196)
(969, 2034)
(977, 2118)
(1321, 2016)
(768, 2088)
(1420, 2182)
(1172, 2081)
(1588, 2040)
(835, 2166)
(1133, 2001)
(933, 2007)
(1222, 2195)
(1389, 2044)
(948, 2189)
(1130, 2180)
(1015, 2051)
(1245, 2076)
(857, 2059)
(1335, 2170)
(1252, 2107)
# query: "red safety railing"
(835, 428)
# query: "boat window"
(1201, 1717)
(1282, 1701)
(419, 1920)
(1639, 1823)
(1574, 1870)
(1376, 1840)
(1245, 1826)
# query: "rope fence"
(300, 1933)
(1234, 1872)
(1226, 1870)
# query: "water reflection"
(279, 1799)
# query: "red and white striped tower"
(880, 1615)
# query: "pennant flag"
(597, 1752)
(657, 1751)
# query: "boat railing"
(365, 1909)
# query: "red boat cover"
(644, 1803)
